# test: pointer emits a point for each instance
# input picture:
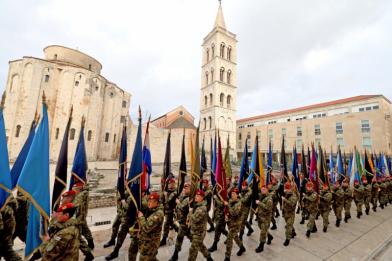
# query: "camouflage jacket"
(383, 187)
(246, 196)
(325, 200)
(264, 208)
(367, 189)
(289, 205)
(8, 221)
(183, 209)
(81, 202)
(274, 193)
(310, 201)
(375, 187)
(219, 209)
(151, 224)
(198, 219)
(338, 197)
(348, 194)
(359, 193)
(63, 245)
(208, 197)
(170, 201)
(234, 208)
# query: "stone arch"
(222, 123)
(206, 77)
(222, 50)
(205, 100)
(14, 83)
(212, 74)
(17, 132)
(228, 77)
(229, 124)
(212, 51)
(221, 74)
(221, 99)
(211, 99)
(229, 53)
(208, 55)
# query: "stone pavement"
(368, 238)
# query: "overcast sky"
(290, 53)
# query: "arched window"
(211, 101)
(212, 51)
(18, 127)
(208, 55)
(114, 138)
(228, 76)
(221, 99)
(222, 50)
(72, 134)
(57, 133)
(210, 122)
(205, 123)
(228, 101)
(89, 134)
(206, 78)
(212, 74)
(205, 100)
(107, 137)
(229, 53)
(222, 71)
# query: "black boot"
(308, 233)
(110, 243)
(90, 244)
(269, 239)
(241, 234)
(317, 216)
(367, 211)
(374, 209)
(163, 241)
(286, 242)
(227, 259)
(212, 228)
(250, 230)
(112, 255)
(302, 221)
(260, 248)
(274, 226)
(89, 257)
(277, 214)
(214, 247)
(358, 215)
(382, 206)
(338, 223)
(314, 230)
(209, 258)
(225, 232)
(325, 229)
(174, 256)
(298, 209)
(242, 250)
(293, 233)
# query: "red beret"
(153, 196)
(205, 181)
(287, 186)
(65, 206)
(200, 192)
(171, 180)
(69, 193)
(244, 183)
(356, 182)
(309, 185)
(325, 185)
(236, 190)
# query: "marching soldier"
(375, 193)
(338, 202)
(182, 214)
(198, 225)
(325, 205)
(310, 200)
(208, 199)
(169, 204)
(219, 220)
(358, 195)
(234, 224)
(246, 200)
(150, 229)
(264, 214)
(348, 197)
(288, 211)
(382, 195)
(367, 194)
(275, 198)
(64, 243)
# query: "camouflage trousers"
(183, 231)
(325, 215)
(311, 221)
(220, 225)
(347, 208)
(359, 205)
(85, 231)
(133, 248)
(383, 198)
(366, 201)
(289, 225)
(374, 200)
(274, 210)
(7, 250)
(83, 244)
(244, 218)
(148, 249)
(390, 196)
(122, 234)
(264, 223)
(198, 245)
(232, 236)
(337, 209)
(169, 223)
(116, 226)
(209, 220)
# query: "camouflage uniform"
(390, 191)
(150, 233)
(359, 192)
(348, 197)
(367, 193)
(246, 196)
(208, 199)
(21, 217)
(310, 201)
(81, 202)
(375, 192)
(134, 245)
(288, 209)
(383, 196)
(170, 205)
(182, 214)
(264, 214)
(198, 224)
(325, 207)
(121, 212)
(7, 229)
(338, 203)
(219, 220)
(63, 244)
(275, 199)
(234, 225)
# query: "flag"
(320, 166)
(213, 162)
(262, 180)
(294, 169)
(192, 152)
(228, 170)
(5, 176)
(122, 164)
(34, 184)
(147, 165)
(79, 166)
(60, 180)
(134, 175)
(166, 164)
(283, 164)
(332, 168)
(349, 166)
(385, 166)
(20, 160)
(313, 176)
(203, 161)
(269, 164)
(195, 174)
(220, 174)
(354, 172)
(244, 170)
(367, 169)
(339, 166)
(182, 171)
(254, 173)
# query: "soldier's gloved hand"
(257, 201)
(123, 203)
(226, 203)
(177, 201)
(140, 214)
(190, 209)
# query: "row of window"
(210, 76)
(224, 52)
(222, 100)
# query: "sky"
(290, 53)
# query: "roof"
(313, 106)
(220, 21)
(181, 107)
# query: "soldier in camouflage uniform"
(246, 200)
(275, 198)
(21, 217)
(208, 199)
(264, 214)
(289, 203)
(390, 190)
(150, 229)
(219, 220)
(198, 225)
(367, 194)
(7, 229)
(337, 202)
(358, 195)
(348, 197)
(64, 243)
(325, 205)
(310, 200)
(234, 224)
(182, 214)
(170, 204)
(375, 192)
(382, 195)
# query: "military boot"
(302, 221)
(214, 247)
(112, 255)
(286, 242)
(89, 257)
(110, 243)
(298, 210)
(212, 228)
(293, 233)
(163, 241)
(269, 239)
(174, 256)
(277, 214)
(367, 211)
(345, 219)
(358, 215)
(274, 226)
(250, 230)
(241, 234)
(337, 222)
(242, 250)
(325, 229)
(374, 209)
(209, 258)
(314, 230)
(260, 248)
(308, 233)
(227, 259)
(90, 243)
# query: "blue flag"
(340, 166)
(134, 177)
(79, 166)
(294, 169)
(34, 184)
(5, 176)
(213, 163)
(122, 165)
(332, 168)
(269, 164)
(244, 166)
(254, 164)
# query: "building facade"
(174, 119)
(69, 78)
(218, 96)
(363, 121)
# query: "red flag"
(313, 176)
(220, 174)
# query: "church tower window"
(211, 100)
(228, 101)
(222, 72)
(212, 74)
(18, 127)
(208, 55)
(229, 53)
(72, 134)
(212, 51)
(206, 78)
(205, 100)
(222, 50)
(221, 99)
(228, 77)
(89, 134)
